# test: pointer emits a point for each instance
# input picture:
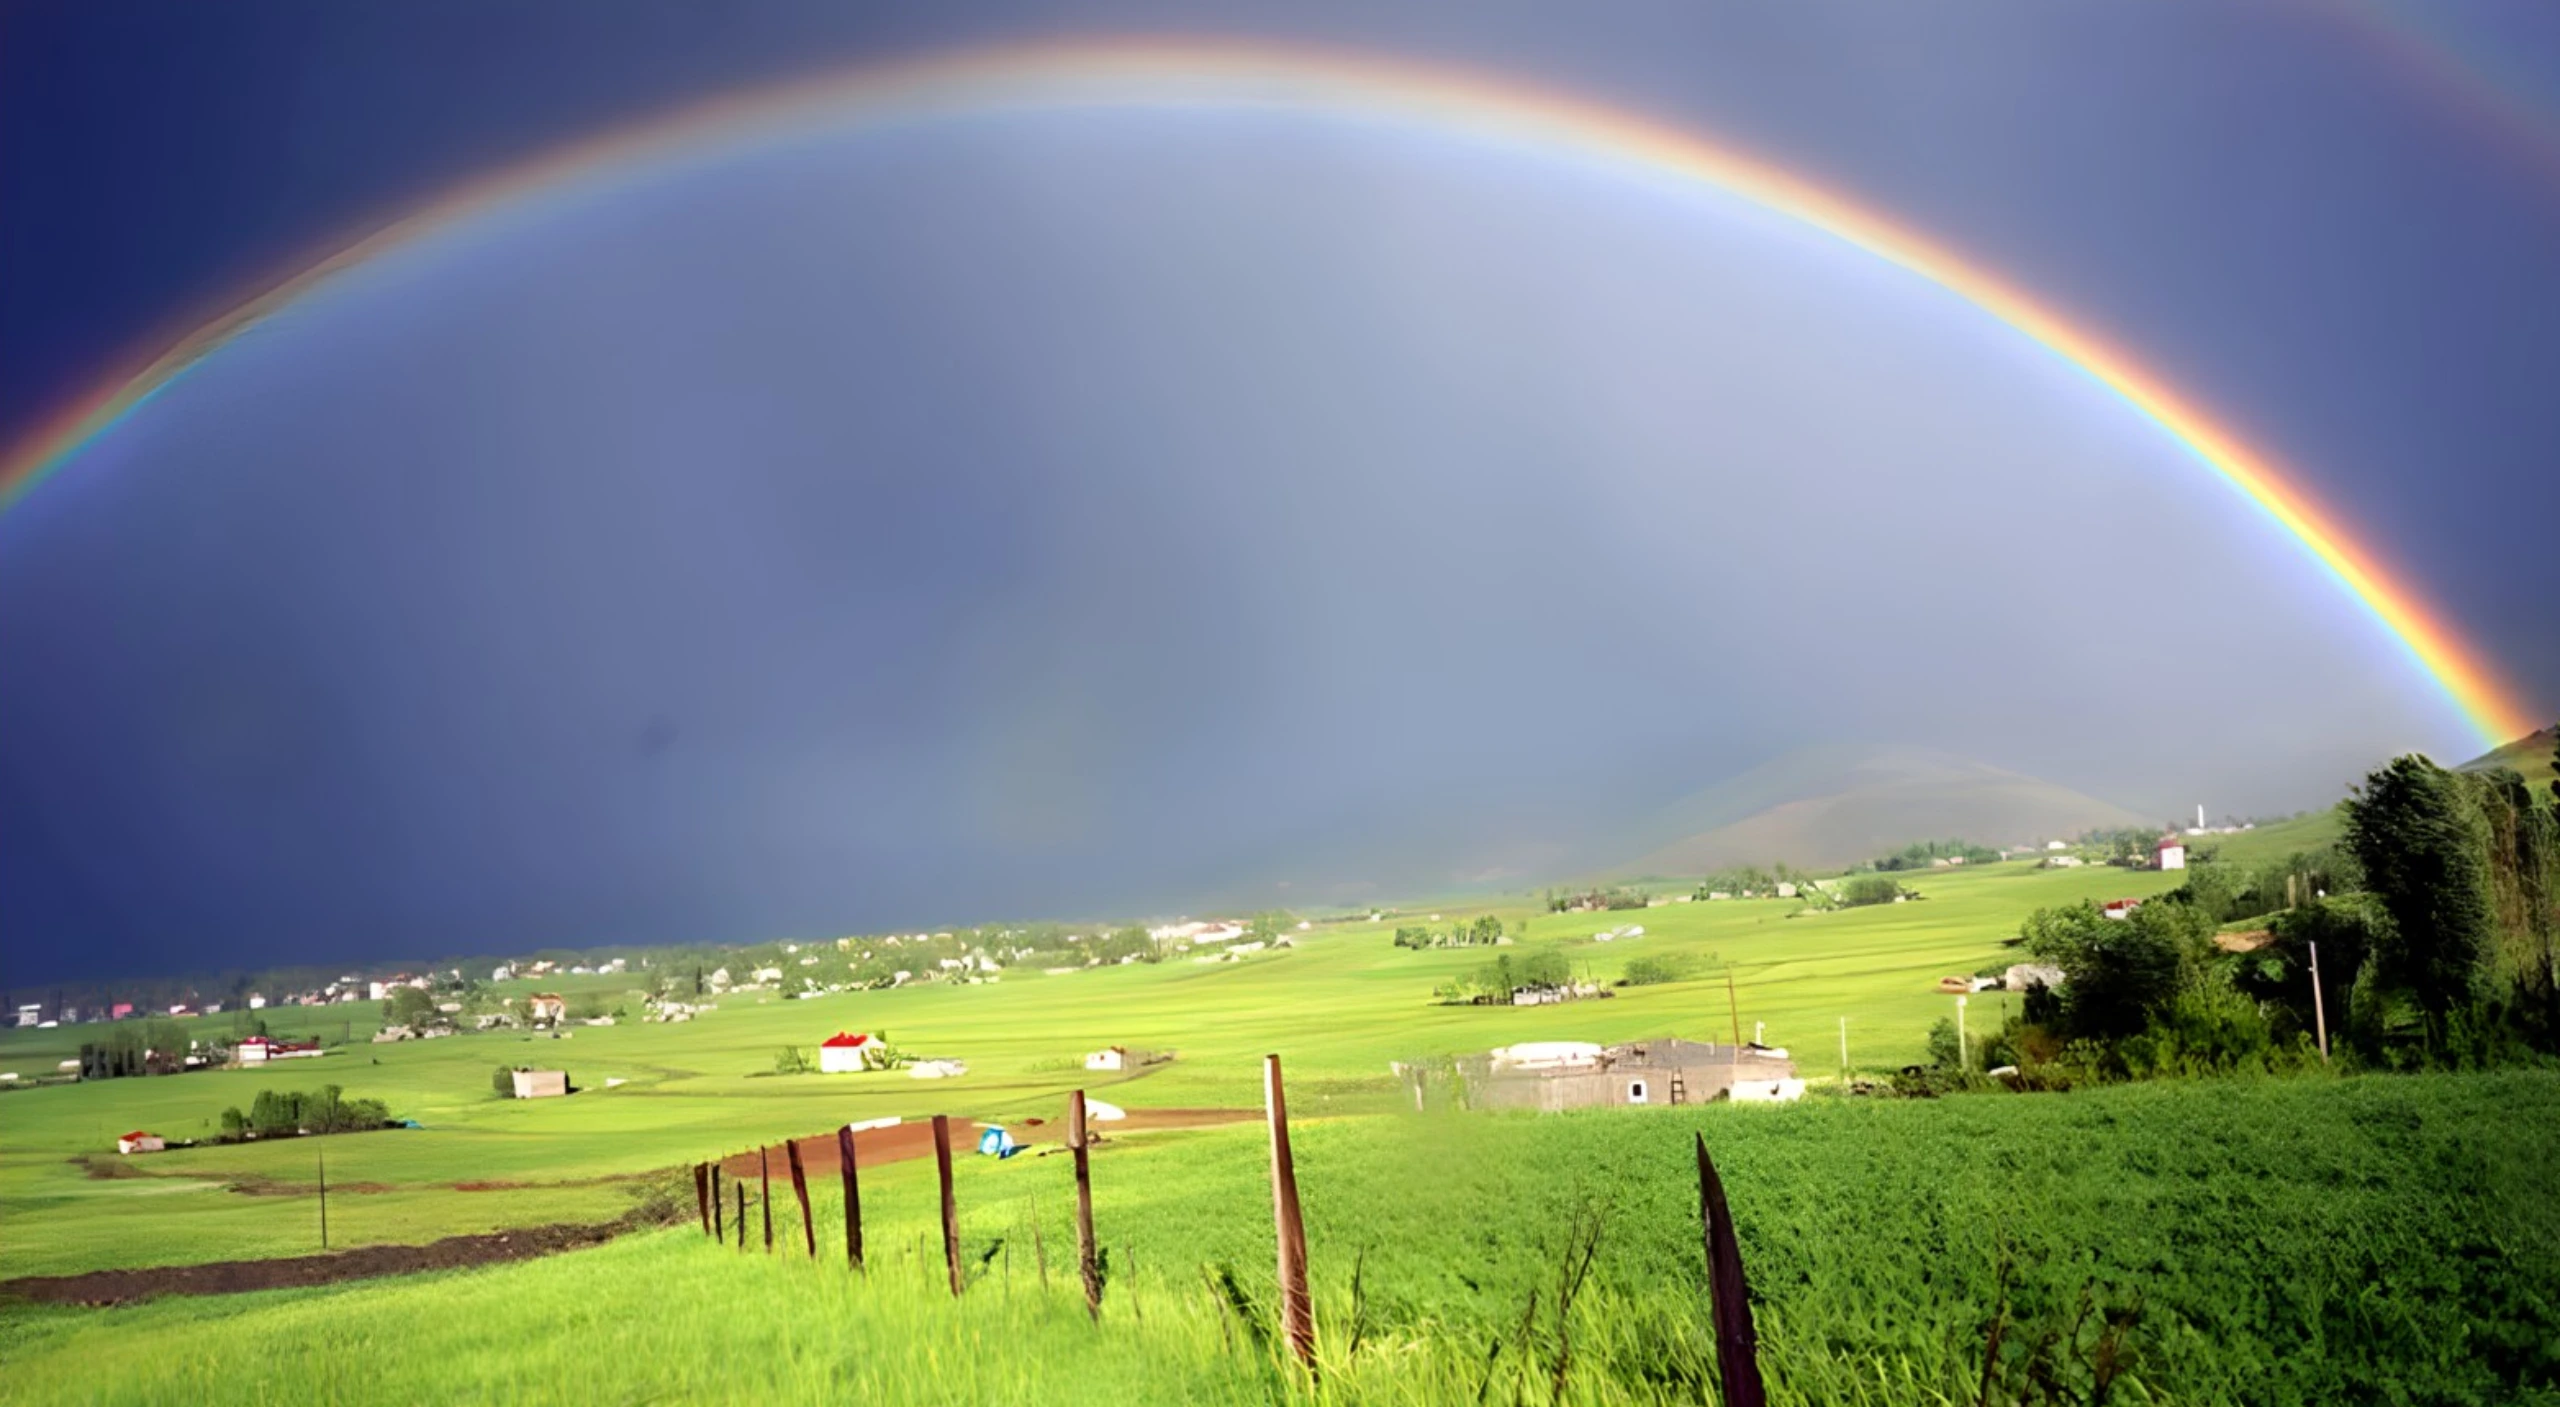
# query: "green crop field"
(1340, 1006)
(2297, 1241)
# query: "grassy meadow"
(1339, 1006)
(2296, 1241)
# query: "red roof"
(137, 1133)
(841, 1041)
(2169, 840)
(257, 1040)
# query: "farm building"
(546, 1008)
(2171, 853)
(1552, 1075)
(140, 1142)
(847, 1053)
(2120, 908)
(541, 1084)
(1108, 1058)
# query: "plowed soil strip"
(231, 1277)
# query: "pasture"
(2300, 1241)
(1340, 1006)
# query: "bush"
(503, 1080)
(791, 1060)
(1653, 971)
(1870, 889)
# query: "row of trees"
(2447, 955)
(289, 1113)
(1922, 854)
(1540, 969)
(1482, 931)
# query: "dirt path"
(231, 1277)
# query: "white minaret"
(2199, 815)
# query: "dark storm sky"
(635, 656)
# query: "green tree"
(408, 1006)
(2115, 972)
(503, 1081)
(2422, 848)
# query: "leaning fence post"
(741, 1188)
(719, 1232)
(1728, 1295)
(852, 1197)
(800, 1188)
(1297, 1317)
(950, 1210)
(1087, 1264)
(702, 1195)
(764, 1192)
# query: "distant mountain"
(2530, 755)
(1831, 806)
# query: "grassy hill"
(1339, 1006)
(1828, 807)
(2529, 755)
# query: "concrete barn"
(541, 1084)
(1552, 1075)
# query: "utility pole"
(2319, 1008)
(1964, 1057)
(324, 1197)
(1734, 1004)
(1844, 1048)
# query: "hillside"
(2530, 755)
(1831, 806)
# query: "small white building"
(541, 1084)
(846, 1053)
(546, 1008)
(140, 1142)
(2172, 853)
(1108, 1058)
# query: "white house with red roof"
(846, 1053)
(2171, 853)
(140, 1142)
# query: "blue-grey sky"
(1125, 507)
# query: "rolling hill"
(1832, 806)
(2530, 755)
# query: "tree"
(2422, 847)
(408, 1006)
(503, 1082)
(1870, 889)
(2116, 972)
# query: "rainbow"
(1182, 73)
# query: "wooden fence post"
(764, 1192)
(950, 1210)
(741, 1187)
(852, 1197)
(719, 1232)
(1728, 1294)
(1297, 1316)
(800, 1188)
(1087, 1264)
(702, 1194)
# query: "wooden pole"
(719, 1232)
(852, 1198)
(702, 1194)
(1297, 1316)
(950, 1209)
(1087, 1264)
(324, 1197)
(1728, 1294)
(1964, 1057)
(2319, 1008)
(800, 1188)
(1734, 1005)
(764, 1193)
(1844, 1048)
(741, 1188)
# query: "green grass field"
(2297, 1241)
(1340, 1006)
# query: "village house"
(1108, 1058)
(546, 1008)
(258, 1050)
(1553, 1075)
(541, 1084)
(2171, 853)
(140, 1142)
(850, 1053)
(2120, 908)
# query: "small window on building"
(1635, 1092)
